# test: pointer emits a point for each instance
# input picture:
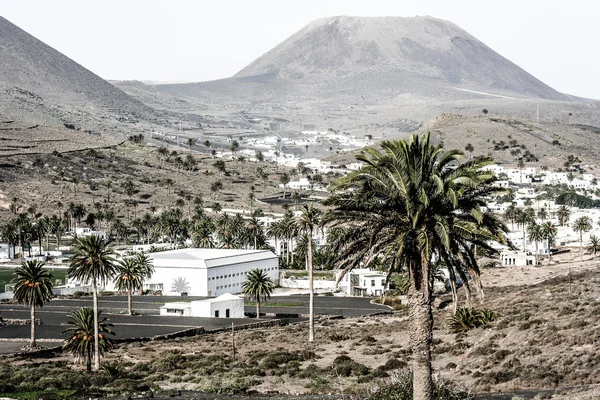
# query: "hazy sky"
(181, 40)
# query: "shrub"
(337, 337)
(399, 387)
(469, 318)
(345, 366)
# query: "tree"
(581, 224)
(413, 202)
(234, 147)
(536, 235)
(594, 244)
(542, 213)
(549, 231)
(469, 147)
(33, 288)
(284, 179)
(93, 263)
(563, 215)
(131, 273)
(82, 328)
(258, 287)
(191, 142)
(260, 157)
(307, 222)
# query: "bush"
(469, 318)
(345, 366)
(399, 387)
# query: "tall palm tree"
(258, 287)
(82, 327)
(563, 214)
(307, 222)
(93, 263)
(410, 203)
(129, 278)
(549, 231)
(536, 235)
(33, 288)
(581, 224)
(10, 233)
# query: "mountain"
(377, 58)
(40, 84)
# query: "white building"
(516, 258)
(6, 251)
(364, 282)
(207, 272)
(225, 306)
(89, 232)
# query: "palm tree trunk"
(257, 308)
(420, 314)
(129, 310)
(33, 326)
(537, 254)
(311, 286)
(96, 344)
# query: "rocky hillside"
(39, 84)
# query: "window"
(227, 313)
(372, 282)
(383, 282)
(216, 313)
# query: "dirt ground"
(544, 338)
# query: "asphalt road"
(149, 323)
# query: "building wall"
(218, 308)
(229, 278)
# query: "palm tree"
(549, 231)
(307, 222)
(284, 179)
(563, 214)
(581, 224)
(535, 234)
(594, 244)
(93, 262)
(131, 273)
(82, 328)
(258, 286)
(33, 288)
(410, 203)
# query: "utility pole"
(233, 341)
(537, 107)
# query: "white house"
(364, 282)
(207, 272)
(89, 232)
(516, 258)
(225, 306)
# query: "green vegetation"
(33, 287)
(258, 287)
(6, 276)
(400, 387)
(470, 318)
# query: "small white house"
(89, 232)
(364, 282)
(225, 306)
(516, 258)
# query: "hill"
(41, 85)
(379, 58)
